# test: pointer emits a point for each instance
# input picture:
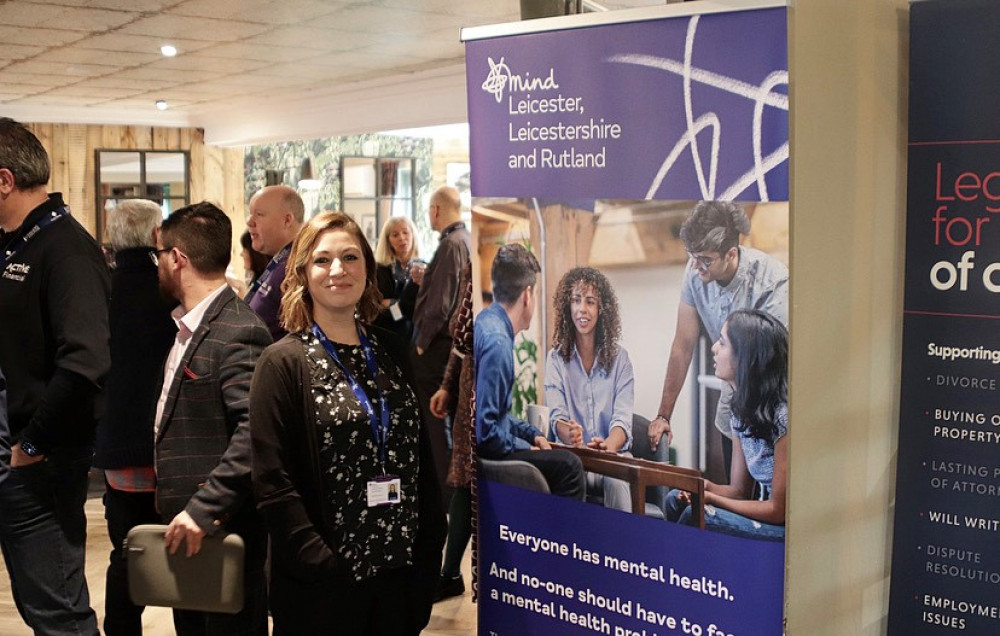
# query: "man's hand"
(569, 433)
(420, 351)
(439, 404)
(657, 428)
(541, 444)
(183, 528)
(19, 458)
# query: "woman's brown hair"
(296, 304)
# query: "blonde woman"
(399, 274)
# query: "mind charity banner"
(624, 128)
(946, 556)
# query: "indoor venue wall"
(848, 165)
(216, 173)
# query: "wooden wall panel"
(216, 173)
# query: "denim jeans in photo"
(723, 521)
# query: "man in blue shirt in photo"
(499, 434)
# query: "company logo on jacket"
(16, 271)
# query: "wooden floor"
(453, 617)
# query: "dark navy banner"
(946, 553)
(687, 108)
(551, 565)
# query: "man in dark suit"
(202, 419)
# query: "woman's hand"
(541, 444)
(569, 433)
(417, 273)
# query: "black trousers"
(252, 619)
(562, 470)
(392, 603)
(428, 371)
(123, 511)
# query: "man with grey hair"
(54, 290)
(139, 315)
(276, 215)
(722, 276)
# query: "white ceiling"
(247, 70)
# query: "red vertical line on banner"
(474, 496)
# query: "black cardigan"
(287, 483)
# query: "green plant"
(526, 380)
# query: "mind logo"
(497, 79)
(501, 78)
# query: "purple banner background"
(740, 579)
(726, 73)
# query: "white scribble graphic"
(762, 96)
(497, 79)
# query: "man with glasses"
(54, 291)
(202, 422)
(722, 276)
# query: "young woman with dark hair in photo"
(752, 356)
(342, 470)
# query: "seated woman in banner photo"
(399, 275)
(589, 383)
(341, 462)
(752, 356)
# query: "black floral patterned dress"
(367, 539)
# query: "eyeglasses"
(704, 261)
(155, 254)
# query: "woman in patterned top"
(341, 465)
(752, 356)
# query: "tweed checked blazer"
(203, 441)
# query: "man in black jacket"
(54, 289)
(141, 334)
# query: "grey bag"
(210, 581)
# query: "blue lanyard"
(380, 425)
(43, 223)
(278, 259)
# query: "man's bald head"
(276, 214)
(445, 208)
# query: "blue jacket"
(498, 433)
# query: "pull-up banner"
(946, 552)
(617, 111)
(588, 112)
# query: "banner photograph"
(630, 300)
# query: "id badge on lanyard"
(386, 489)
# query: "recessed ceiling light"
(161, 104)
(169, 50)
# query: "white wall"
(647, 299)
